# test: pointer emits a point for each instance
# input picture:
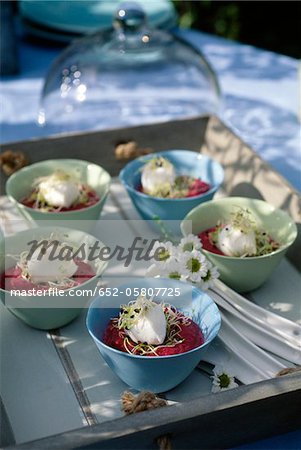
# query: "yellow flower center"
(193, 265)
(164, 255)
(188, 247)
(224, 380)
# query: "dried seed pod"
(130, 150)
(126, 150)
(11, 161)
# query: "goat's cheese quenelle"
(157, 172)
(233, 241)
(42, 268)
(145, 322)
(59, 190)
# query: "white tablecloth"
(260, 97)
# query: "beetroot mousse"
(189, 333)
(12, 278)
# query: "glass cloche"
(127, 75)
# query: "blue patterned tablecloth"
(260, 97)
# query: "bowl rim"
(65, 213)
(282, 248)
(65, 229)
(165, 152)
(119, 352)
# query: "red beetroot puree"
(207, 242)
(92, 199)
(12, 279)
(190, 333)
(198, 187)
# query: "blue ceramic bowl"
(154, 373)
(186, 163)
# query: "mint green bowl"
(243, 274)
(49, 311)
(20, 184)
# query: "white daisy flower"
(163, 253)
(175, 270)
(211, 275)
(190, 243)
(196, 264)
(176, 262)
(222, 380)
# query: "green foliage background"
(273, 25)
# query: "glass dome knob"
(130, 16)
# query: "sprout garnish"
(132, 313)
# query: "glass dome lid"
(127, 75)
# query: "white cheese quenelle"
(157, 172)
(59, 190)
(233, 241)
(42, 268)
(149, 324)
